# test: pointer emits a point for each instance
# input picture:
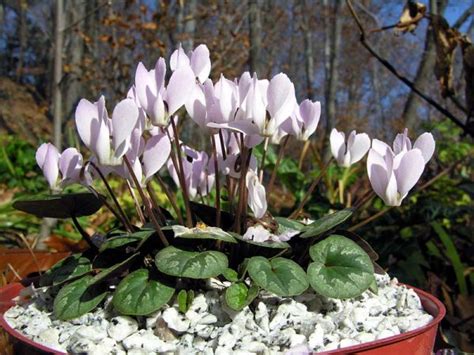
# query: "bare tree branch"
(402, 78)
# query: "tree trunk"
(308, 50)
(424, 75)
(332, 45)
(255, 31)
(58, 73)
(73, 88)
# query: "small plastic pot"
(415, 342)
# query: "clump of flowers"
(233, 237)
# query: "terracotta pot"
(416, 342)
(24, 264)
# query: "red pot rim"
(427, 300)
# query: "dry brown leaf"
(446, 41)
(412, 13)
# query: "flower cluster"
(233, 236)
(138, 139)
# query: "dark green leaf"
(208, 215)
(78, 298)
(230, 275)
(326, 223)
(126, 239)
(280, 276)
(341, 269)
(139, 295)
(195, 265)
(113, 270)
(60, 206)
(236, 295)
(67, 269)
(182, 301)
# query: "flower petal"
(338, 146)
(360, 147)
(201, 62)
(409, 171)
(426, 144)
(70, 165)
(281, 98)
(124, 120)
(156, 154)
(86, 113)
(180, 88)
(179, 59)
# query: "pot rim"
(425, 297)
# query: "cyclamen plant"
(169, 254)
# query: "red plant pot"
(415, 342)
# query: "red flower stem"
(146, 202)
(218, 187)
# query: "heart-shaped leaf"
(78, 298)
(195, 265)
(127, 239)
(67, 269)
(341, 269)
(268, 244)
(231, 275)
(138, 295)
(203, 233)
(280, 276)
(61, 206)
(326, 223)
(238, 295)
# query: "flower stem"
(154, 203)
(137, 204)
(189, 220)
(145, 202)
(83, 233)
(308, 194)
(124, 219)
(281, 151)
(264, 155)
(171, 198)
(218, 187)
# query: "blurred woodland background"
(367, 61)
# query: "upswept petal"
(145, 86)
(179, 59)
(86, 113)
(401, 143)
(100, 143)
(201, 62)
(257, 195)
(409, 171)
(426, 144)
(281, 97)
(160, 74)
(49, 157)
(310, 113)
(381, 147)
(124, 119)
(377, 172)
(70, 165)
(158, 115)
(156, 153)
(196, 107)
(360, 147)
(338, 146)
(180, 88)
